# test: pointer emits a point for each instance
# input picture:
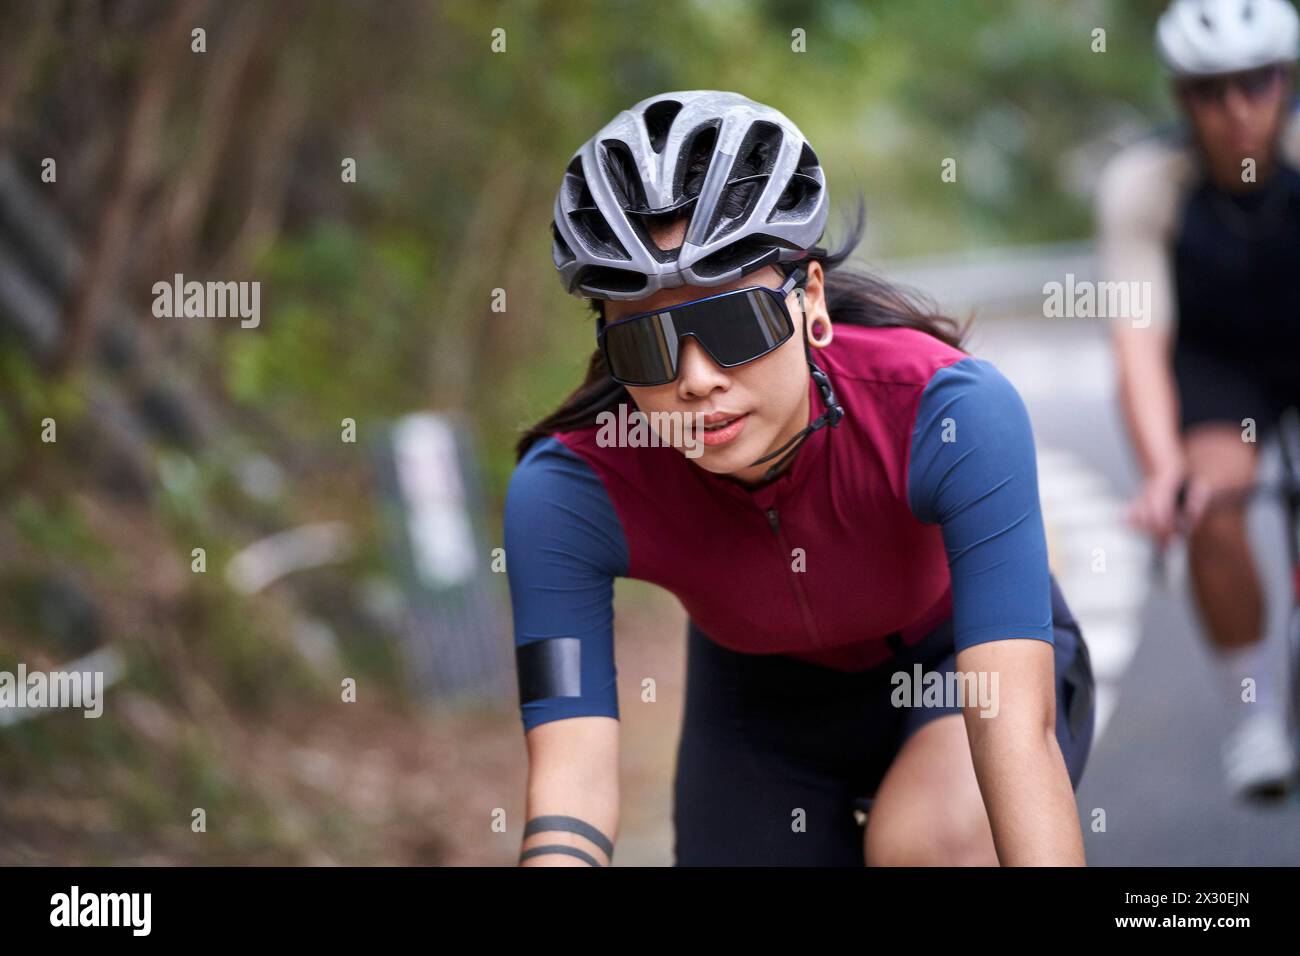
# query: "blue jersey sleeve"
(973, 472)
(564, 547)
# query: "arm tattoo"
(571, 825)
(558, 848)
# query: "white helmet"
(1201, 37)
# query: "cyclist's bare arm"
(573, 772)
(1138, 199)
(564, 552)
(1149, 399)
(1148, 395)
(1022, 775)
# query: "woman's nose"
(697, 374)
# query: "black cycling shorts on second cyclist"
(764, 736)
(1220, 387)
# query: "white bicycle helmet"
(742, 171)
(1204, 37)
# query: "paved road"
(1154, 770)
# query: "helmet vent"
(747, 255)
(807, 159)
(758, 152)
(753, 165)
(698, 154)
(585, 218)
(602, 281)
(575, 186)
(659, 120)
(624, 175)
(565, 252)
(595, 233)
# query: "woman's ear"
(814, 299)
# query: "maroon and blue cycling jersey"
(922, 504)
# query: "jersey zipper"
(774, 521)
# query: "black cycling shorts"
(765, 734)
(1223, 387)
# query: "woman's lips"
(725, 434)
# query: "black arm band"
(572, 825)
(549, 668)
(557, 848)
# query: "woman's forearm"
(573, 793)
(1031, 806)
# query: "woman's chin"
(726, 459)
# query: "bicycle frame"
(1289, 440)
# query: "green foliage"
(342, 330)
(30, 397)
(55, 529)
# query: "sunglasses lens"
(1256, 83)
(643, 351)
(743, 327)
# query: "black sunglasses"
(1252, 84)
(733, 327)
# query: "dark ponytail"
(853, 297)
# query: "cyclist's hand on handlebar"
(1154, 506)
(1169, 502)
(1194, 499)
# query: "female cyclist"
(840, 526)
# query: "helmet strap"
(831, 416)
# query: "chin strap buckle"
(834, 410)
